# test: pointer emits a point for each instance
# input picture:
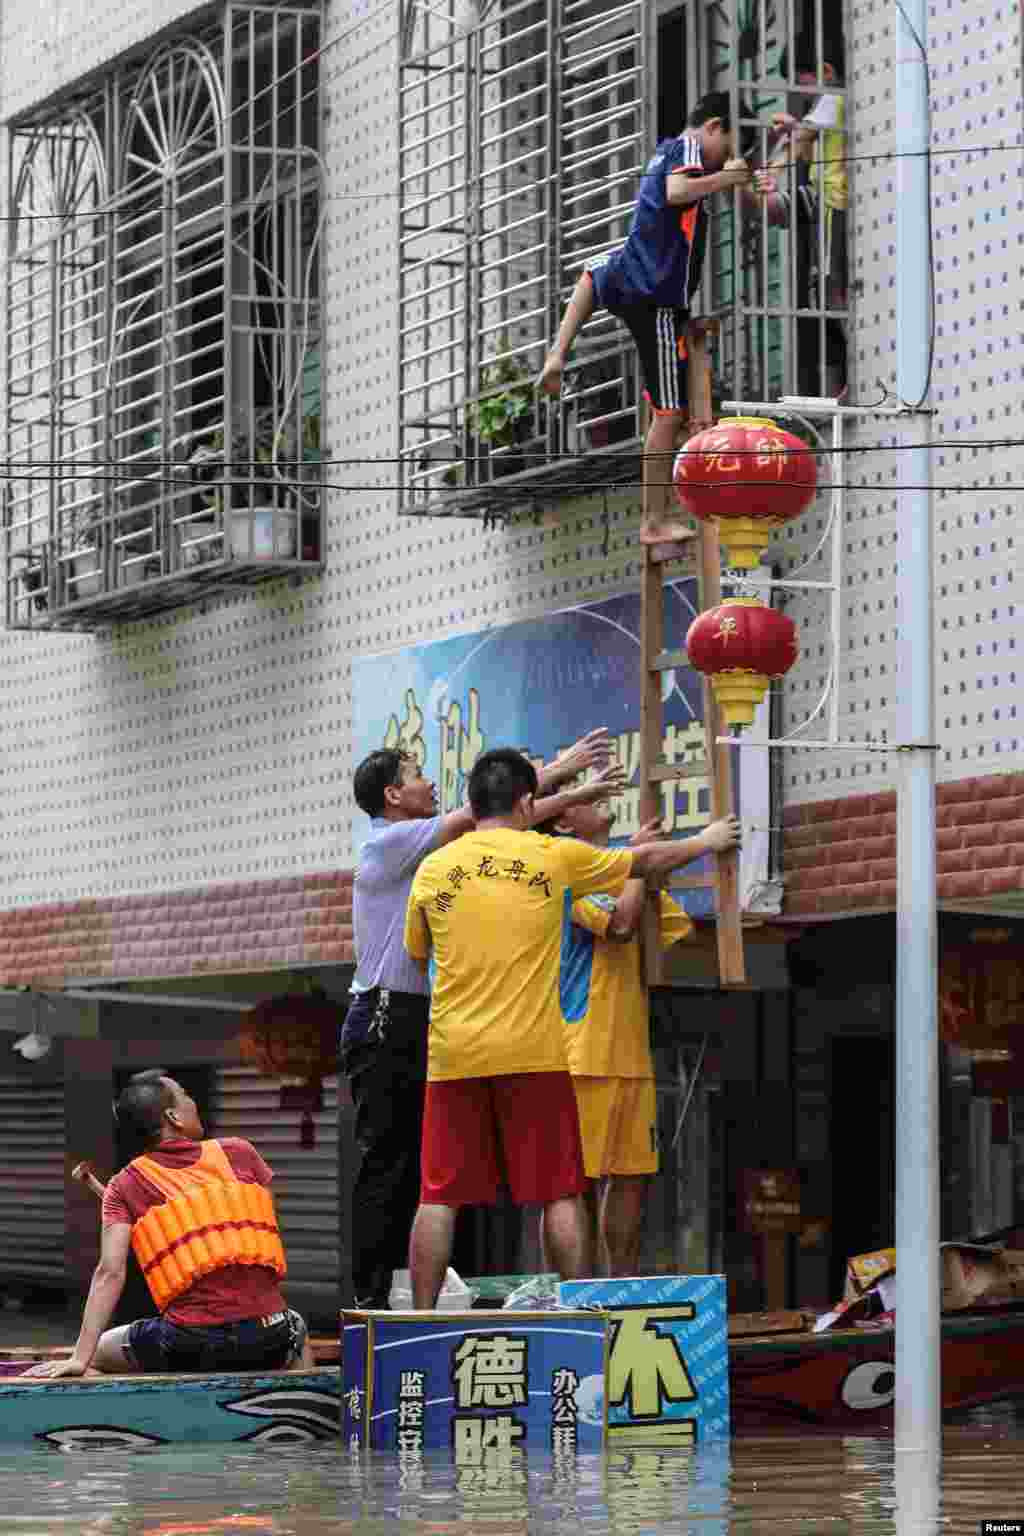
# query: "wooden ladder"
(655, 660)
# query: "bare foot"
(666, 533)
(550, 379)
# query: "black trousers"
(384, 1053)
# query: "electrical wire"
(355, 197)
(183, 478)
(973, 445)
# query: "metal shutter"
(32, 1243)
(305, 1179)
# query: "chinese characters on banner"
(668, 1365)
(539, 685)
(488, 1371)
(410, 1411)
(474, 1386)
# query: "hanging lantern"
(741, 645)
(775, 480)
(295, 1037)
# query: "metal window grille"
(521, 141)
(523, 131)
(780, 289)
(162, 369)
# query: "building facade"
(277, 280)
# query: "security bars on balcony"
(523, 130)
(162, 369)
(521, 141)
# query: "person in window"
(650, 283)
(199, 1216)
(805, 183)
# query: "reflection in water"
(850, 1486)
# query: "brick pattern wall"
(250, 926)
(840, 855)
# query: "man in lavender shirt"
(384, 1037)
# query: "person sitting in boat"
(200, 1219)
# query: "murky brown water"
(785, 1485)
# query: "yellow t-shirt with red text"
(603, 992)
(487, 910)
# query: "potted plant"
(264, 513)
(79, 539)
(502, 414)
(196, 544)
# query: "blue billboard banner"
(668, 1361)
(474, 1382)
(354, 1355)
(539, 685)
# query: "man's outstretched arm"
(662, 858)
(591, 751)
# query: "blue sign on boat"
(473, 1381)
(668, 1362)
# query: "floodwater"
(786, 1486)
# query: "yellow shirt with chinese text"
(488, 911)
(603, 993)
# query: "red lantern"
(750, 477)
(741, 645)
(294, 1036)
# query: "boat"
(137, 1411)
(782, 1376)
(845, 1379)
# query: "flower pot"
(264, 533)
(85, 578)
(196, 545)
(134, 568)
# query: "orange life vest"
(210, 1219)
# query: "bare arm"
(629, 909)
(766, 195)
(104, 1294)
(661, 858)
(681, 188)
(455, 824)
(611, 781)
(591, 751)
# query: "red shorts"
(482, 1132)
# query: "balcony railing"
(162, 369)
(522, 141)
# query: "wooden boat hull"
(132, 1412)
(842, 1381)
(846, 1381)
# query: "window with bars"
(521, 140)
(162, 369)
(523, 131)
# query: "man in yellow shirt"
(607, 1031)
(487, 912)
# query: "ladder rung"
(693, 883)
(664, 773)
(667, 661)
(662, 554)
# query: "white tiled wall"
(978, 221)
(214, 744)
